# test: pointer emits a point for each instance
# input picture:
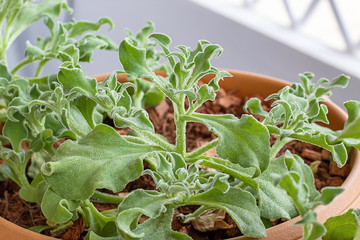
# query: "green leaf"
(5, 172)
(57, 209)
(297, 165)
(30, 13)
(274, 201)
(73, 79)
(351, 132)
(239, 204)
(155, 228)
(40, 228)
(88, 44)
(313, 230)
(244, 141)
(338, 150)
(80, 27)
(34, 192)
(340, 82)
(151, 202)
(254, 105)
(202, 62)
(327, 195)
(101, 159)
(134, 60)
(4, 73)
(342, 227)
(33, 51)
(16, 132)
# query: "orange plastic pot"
(249, 84)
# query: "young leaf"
(30, 13)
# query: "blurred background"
(279, 38)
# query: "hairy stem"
(40, 67)
(156, 139)
(21, 64)
(180, 123)
(203, 149)
(278, 145)
(107, 198)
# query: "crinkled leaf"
(86, 107)
(134, 60)
(78, 28)
(34, 192)
(254, 105)
(32, 12)
(244, 141)
(151, 202)
(33, 51)
(239, 204)
(138, 118)
(57, 209)
(88, 44)
(73, 79)
(338, 151)
(16, 132)
(101, 159)
(155, 228)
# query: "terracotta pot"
(249, 84)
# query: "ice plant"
(247, 179)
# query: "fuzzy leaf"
(134, 60)
(101, 159)
(244, 141)
(78, 28)
(32, 12)
(338, 151)
(155, 228)
(151, 202)
(73, 79)
(16, 132)
(274, 201)
(57, 209)
(239, 204)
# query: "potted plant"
(246, 179)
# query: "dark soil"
(27, 214)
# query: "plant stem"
(278, 146)
(40, 67)
(180, 123)
(91, 213)
(156, 139)
(203, 149)
(107, 198)
(21, 64)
